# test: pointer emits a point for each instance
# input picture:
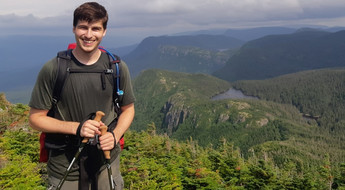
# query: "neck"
(86, 58)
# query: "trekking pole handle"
(106, 152)
(98, 117)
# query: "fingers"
(90, 128)
(107, 141)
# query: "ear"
(105, 31)
(73, 29)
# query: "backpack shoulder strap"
(114, 66)
(63, 57)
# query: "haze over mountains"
(198, 52)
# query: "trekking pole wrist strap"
(112, 132)
(79, 129)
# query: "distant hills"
(255, 33)
(248, 34)
(21, 59)
(23, 56)
(225, 53)
(283, 51)
(275, 55)
(192, 54)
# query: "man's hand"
(90, 128)
(107, 141)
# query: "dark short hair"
(90, 12)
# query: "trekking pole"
(98, 117)
(107, 160)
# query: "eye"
(82, 27)
(96, 29)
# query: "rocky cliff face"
(175, 114)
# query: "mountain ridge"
(276, 55)
(191, 54)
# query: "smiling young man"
(84, 92)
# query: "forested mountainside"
(192, 54)
(152, 161)
(276, 55)
(319, 94)
(180, 105)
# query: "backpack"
(63, 57)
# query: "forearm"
(39, 120)
(124, 121)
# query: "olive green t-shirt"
(82, 94)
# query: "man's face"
(89, 35)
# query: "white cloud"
(207, 12)
(154, 17)
(323, 9)
(191, 9)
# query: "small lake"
(232, 94)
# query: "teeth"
(87, 41)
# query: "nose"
(88, 33)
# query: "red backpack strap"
(122, 142)
(43, 151)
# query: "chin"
(89, 49)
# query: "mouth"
(88, 42)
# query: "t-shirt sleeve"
(126, 85)
(41, 96)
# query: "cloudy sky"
(136, 19)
